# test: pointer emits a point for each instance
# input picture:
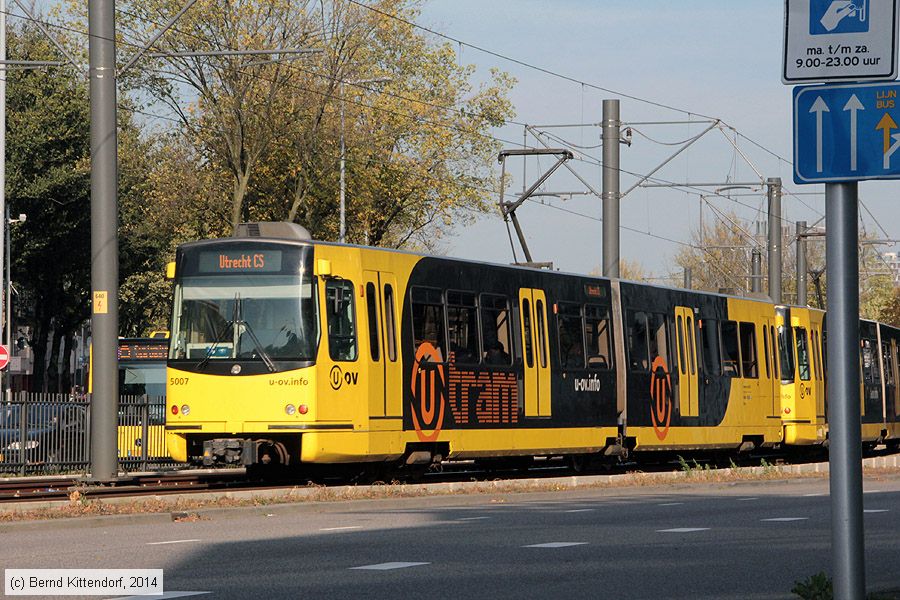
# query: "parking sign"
(839, 40)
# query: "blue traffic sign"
(836, 16)
(846, 132)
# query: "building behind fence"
(50, 434)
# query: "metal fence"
(51, 433)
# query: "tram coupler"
(229, 451)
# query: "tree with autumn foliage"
(418, 154)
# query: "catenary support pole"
(104, 240)
(802, 268)
(3, 72)
(845, 444)
(756, 271)
(773, 185)
(688, 278)
(610, 190)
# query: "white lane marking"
(580, 510)
(747, 499)
(785, 519)
(345, 528)
(876, 510)
(164, 596)
(555, 545)
(472, 518)
(172, 542)
(671, 504)
(389, 566)
(872, 491)
(683, 530)
(815, 495)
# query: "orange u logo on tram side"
(428, 389)
(661, 393)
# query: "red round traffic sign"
(4, 356)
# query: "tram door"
(535, 351)
(686, 332)
(893, 395)
(819, 363)
(384, 372)
(771, 389)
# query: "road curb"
(306, 494)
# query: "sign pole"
(845, 440)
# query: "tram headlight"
(289, 409)
(185, 409)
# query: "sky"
(706, 58)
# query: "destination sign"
(240, 261)
(143, 350)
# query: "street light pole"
(343, 231)
(342, 235)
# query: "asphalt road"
(741, 541)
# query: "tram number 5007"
(178, 380)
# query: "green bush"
(815, 587)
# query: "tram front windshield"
(139, 379)
(249, 316)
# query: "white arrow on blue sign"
(846, 132)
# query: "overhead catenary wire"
(380, 109)
(497, 139)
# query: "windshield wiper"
(210, 350)
(239, 320)
(259, 347)
(212, 347)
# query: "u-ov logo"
(661, 393)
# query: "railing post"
(23, 431)
(145, 430)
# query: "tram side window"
(871, 372)
(390, 327)
(766, 350)
(463, 327)
(571, 339)
(802, 353)
(638, 341)
(786, 352)
(709, 333)
(679, 331)
(495, 331)
(814, 365)
(526, 332)
(372, 312)
(773, 342)
(689, 329)
(731, 357)
(596, 330)
(817, 356)
(888, 364)
(541, 327)
(341, 319)
(659, 340)
(749, 357)
(428, 318)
